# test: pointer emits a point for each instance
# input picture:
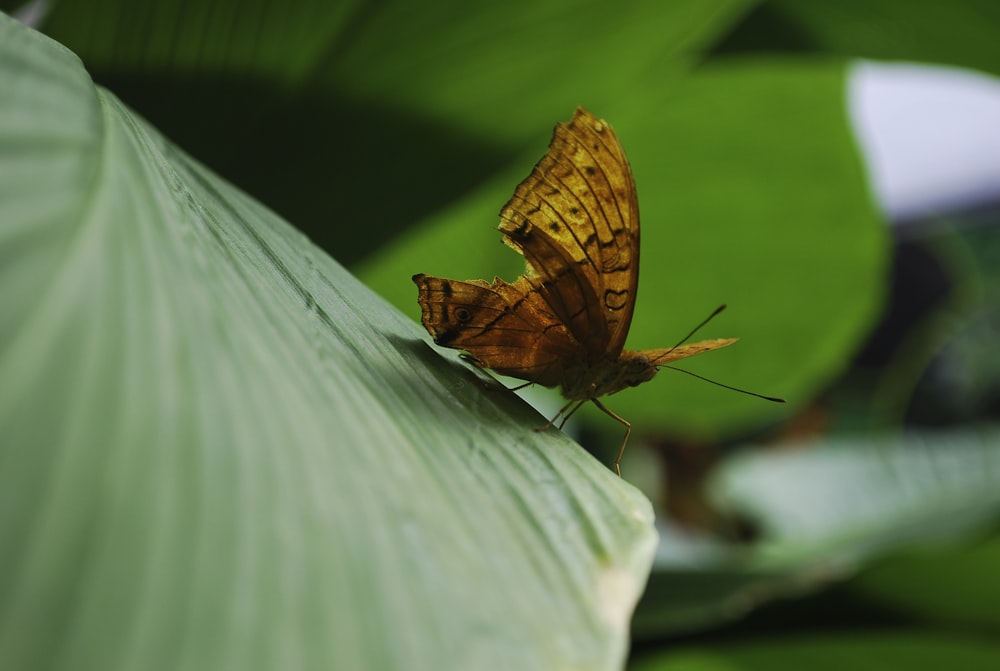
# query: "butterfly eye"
(463, 315)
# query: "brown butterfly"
(564, 322)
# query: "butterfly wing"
(576, 221)
(505, 327)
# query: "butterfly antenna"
(774, 399)
(697, 328)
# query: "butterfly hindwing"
(505, 327)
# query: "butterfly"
(563, 323)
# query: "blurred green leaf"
(961, 33)
(752, 194)
(355, 120)
(823, 511)
(861, 651)
(222, 451)
(847, 498)
(429, 59)
(951, 585)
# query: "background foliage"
(391, 133)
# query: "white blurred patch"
(930, 136)
(33, 13)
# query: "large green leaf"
(222, 451)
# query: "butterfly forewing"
(662, 356)
(576, 220)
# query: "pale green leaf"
(220, 450)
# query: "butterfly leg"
(628, 430)
(562, 413)
(568, 414)
(497, 385)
